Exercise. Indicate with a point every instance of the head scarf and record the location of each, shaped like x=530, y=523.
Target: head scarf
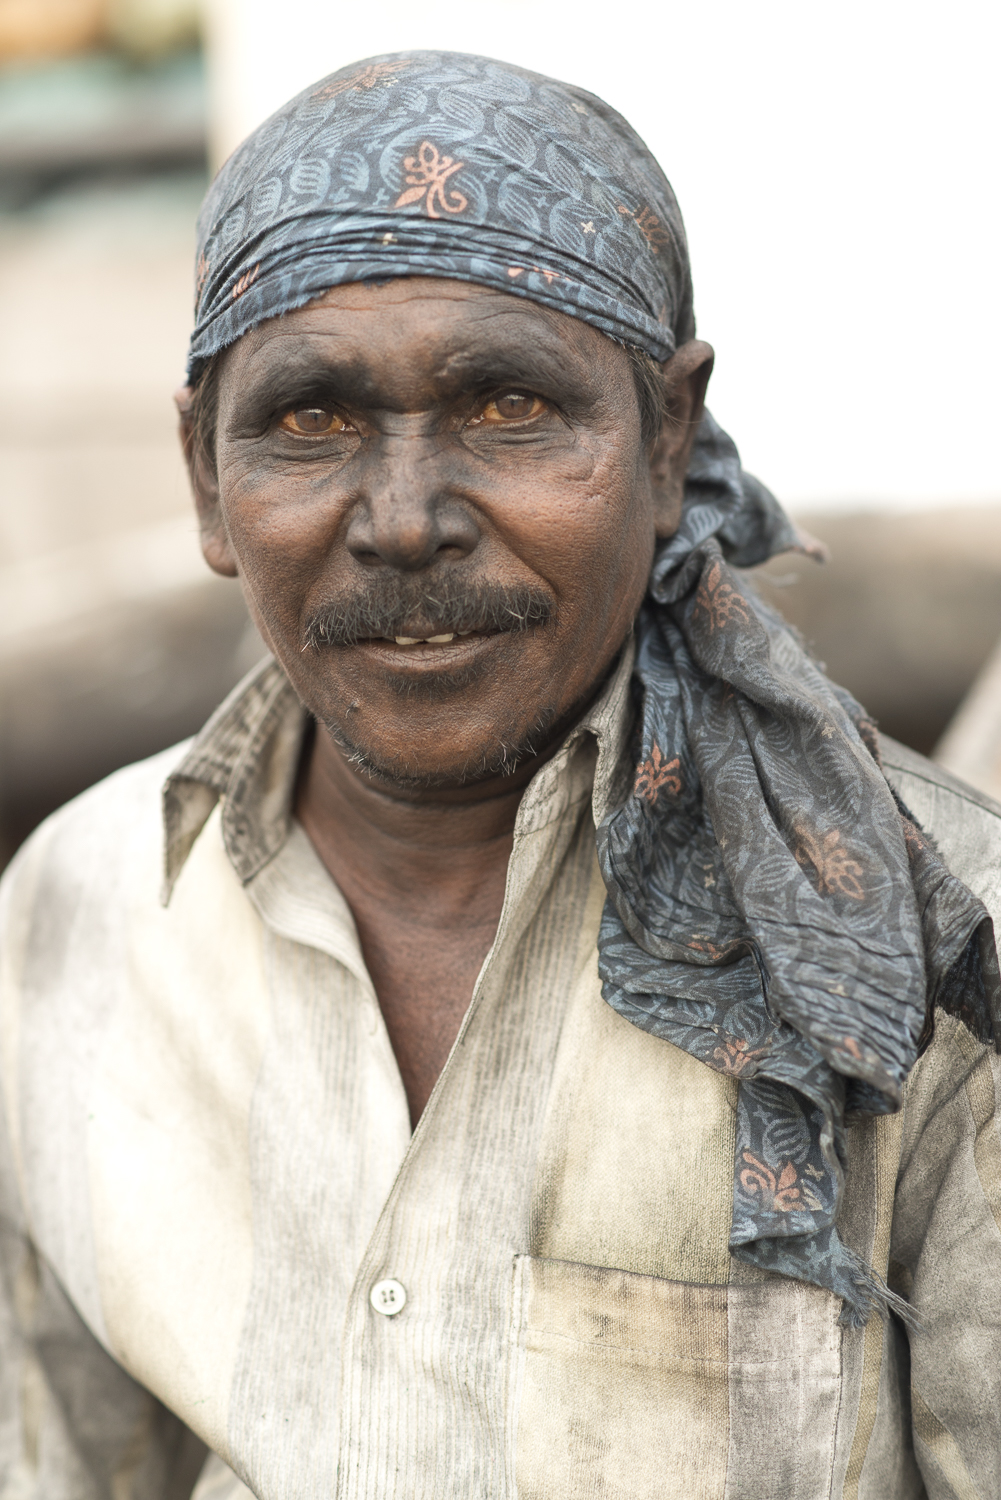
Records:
x=438, y=164
x=772, y=907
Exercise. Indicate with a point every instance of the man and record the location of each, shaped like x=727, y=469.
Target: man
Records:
x=561, y=1065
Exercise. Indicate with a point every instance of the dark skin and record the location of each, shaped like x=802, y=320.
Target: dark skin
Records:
x=421, y=430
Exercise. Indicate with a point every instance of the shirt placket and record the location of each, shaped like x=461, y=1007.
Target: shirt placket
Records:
x=436, y=1278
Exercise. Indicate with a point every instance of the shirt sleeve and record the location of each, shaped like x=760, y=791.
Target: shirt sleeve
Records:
x=73, y=1424
x=946, y=1257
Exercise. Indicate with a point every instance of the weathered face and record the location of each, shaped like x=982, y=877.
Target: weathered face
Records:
x=443, y=513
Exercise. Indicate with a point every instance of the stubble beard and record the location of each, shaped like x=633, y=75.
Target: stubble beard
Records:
x=501, y=759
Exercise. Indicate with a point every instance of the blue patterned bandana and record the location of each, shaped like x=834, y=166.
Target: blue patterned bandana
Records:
x=437, y=164
x=772, y=908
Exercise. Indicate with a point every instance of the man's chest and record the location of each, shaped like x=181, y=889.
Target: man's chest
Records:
x=424, y=974
x=558, y=1225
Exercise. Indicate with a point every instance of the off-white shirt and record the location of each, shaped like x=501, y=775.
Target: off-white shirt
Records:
x=208, y=1171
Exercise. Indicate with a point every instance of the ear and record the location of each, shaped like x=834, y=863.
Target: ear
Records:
x=217, y=549
x=685, y=377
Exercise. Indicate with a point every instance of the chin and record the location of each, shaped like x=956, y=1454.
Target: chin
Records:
x=451, y=765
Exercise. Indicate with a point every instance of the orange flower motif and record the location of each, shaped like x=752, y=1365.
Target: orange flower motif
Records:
x=655, y=772
x=870, y=738
x=551, y=276
x=428, y=172
x=781, y=1194
x=913, y=839
x=718, y=600
x=363, y=78
x=733, y=1057
x=835, y=869
x=703, y=945
x=246, y=280
x=648, y=224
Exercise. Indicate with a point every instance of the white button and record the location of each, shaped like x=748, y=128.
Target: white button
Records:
x=388, y=1297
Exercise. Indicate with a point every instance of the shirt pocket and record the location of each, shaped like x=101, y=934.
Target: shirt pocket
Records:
x=631, y=1387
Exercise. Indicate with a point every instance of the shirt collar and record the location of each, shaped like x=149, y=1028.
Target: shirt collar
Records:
x=248, y=755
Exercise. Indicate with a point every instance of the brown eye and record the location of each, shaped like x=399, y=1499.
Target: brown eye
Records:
x=311, y=420
x=512, y=406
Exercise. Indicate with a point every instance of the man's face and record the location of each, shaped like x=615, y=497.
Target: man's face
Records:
x=434, y=459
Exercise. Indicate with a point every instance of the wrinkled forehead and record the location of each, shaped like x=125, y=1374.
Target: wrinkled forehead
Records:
x=454, y=324
x=444, y=165
x=416, y=342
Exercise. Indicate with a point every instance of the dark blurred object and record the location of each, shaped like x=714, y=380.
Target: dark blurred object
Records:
x=108, y=652
x=115, y=640
x=99, y=113
x=971, y=746
x=905, y=613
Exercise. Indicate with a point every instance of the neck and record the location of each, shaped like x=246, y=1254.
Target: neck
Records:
x=424, y=874
x=443, y=848
x=429, y=851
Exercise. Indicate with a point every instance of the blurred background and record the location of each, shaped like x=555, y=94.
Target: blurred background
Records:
x=837, y=168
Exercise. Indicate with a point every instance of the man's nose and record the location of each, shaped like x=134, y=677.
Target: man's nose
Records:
x=409, y=507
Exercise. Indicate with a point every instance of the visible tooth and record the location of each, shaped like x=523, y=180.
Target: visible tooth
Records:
x=463, y=632
x=408, y=640
x=440, y=640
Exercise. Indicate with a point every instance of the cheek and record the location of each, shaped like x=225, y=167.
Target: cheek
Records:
x=590, y=534
x=282, y=532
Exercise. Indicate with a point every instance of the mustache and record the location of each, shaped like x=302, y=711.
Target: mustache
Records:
x=407, y=604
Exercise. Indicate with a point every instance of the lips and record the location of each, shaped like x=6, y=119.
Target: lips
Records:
x=426, y=640
x=444, y=651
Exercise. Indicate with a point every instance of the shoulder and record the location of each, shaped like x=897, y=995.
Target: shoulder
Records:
x=108, y=838
x=965, y=824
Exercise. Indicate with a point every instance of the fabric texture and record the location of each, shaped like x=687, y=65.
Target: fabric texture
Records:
x=442, y=164
x=206, y=1163
x=772, y=909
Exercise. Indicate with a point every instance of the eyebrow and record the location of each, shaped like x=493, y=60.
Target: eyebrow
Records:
x=310, y=376
x=283, y=388
x=537, y=364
